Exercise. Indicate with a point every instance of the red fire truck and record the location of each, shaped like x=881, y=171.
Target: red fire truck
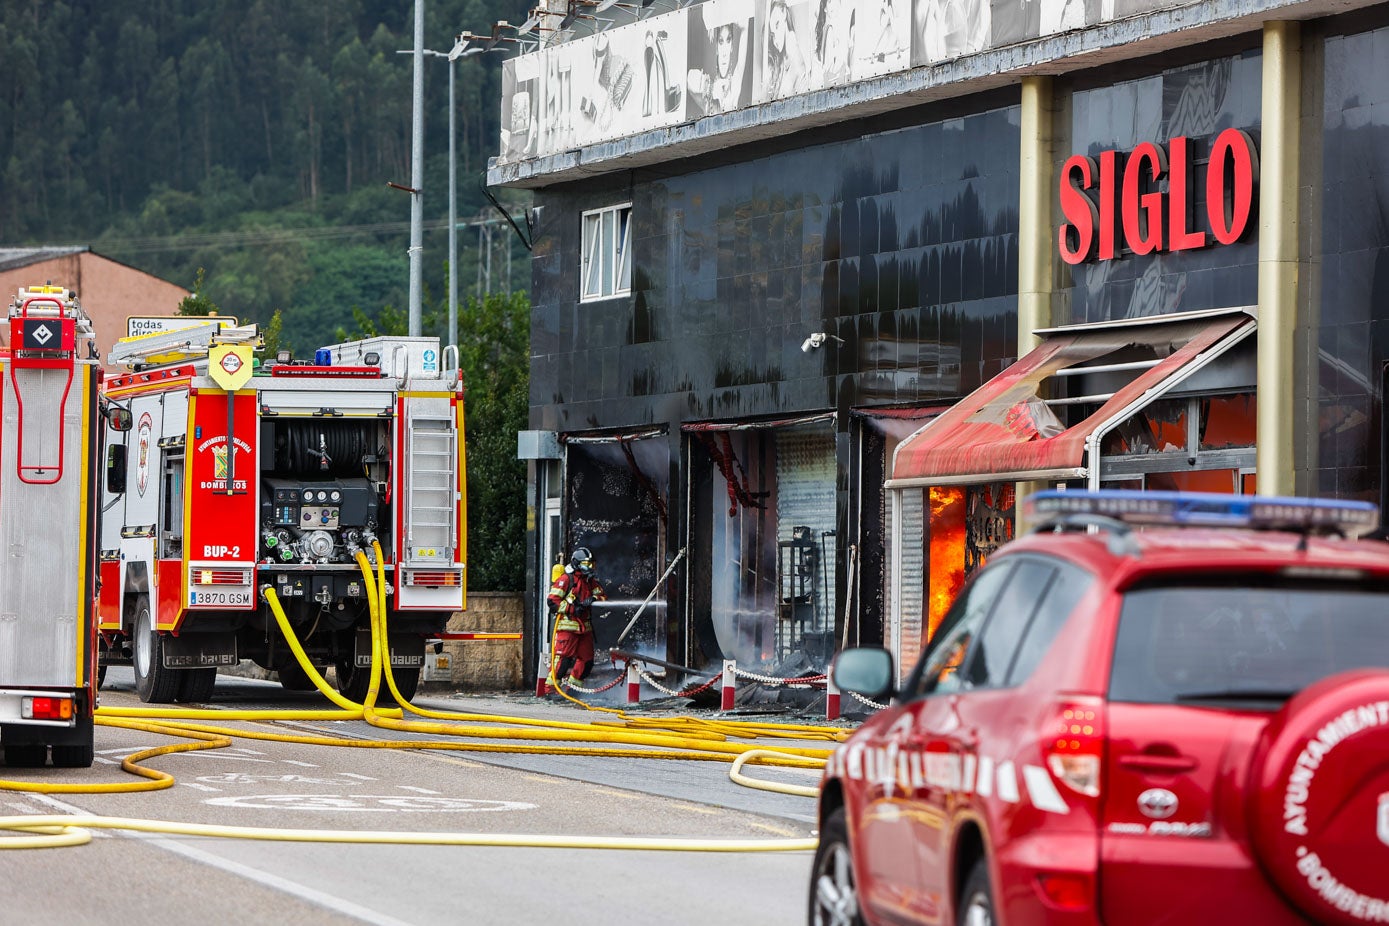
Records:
x=238, y=476
x=49, y=450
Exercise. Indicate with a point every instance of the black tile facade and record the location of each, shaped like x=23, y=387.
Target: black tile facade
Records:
x=1350, y=341
x=902, y=242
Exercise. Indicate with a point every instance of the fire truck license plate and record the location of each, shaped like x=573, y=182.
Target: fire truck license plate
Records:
x=222, y=597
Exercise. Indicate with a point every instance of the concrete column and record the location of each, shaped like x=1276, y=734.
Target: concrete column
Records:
x=1278, y=256
x=1036, y=232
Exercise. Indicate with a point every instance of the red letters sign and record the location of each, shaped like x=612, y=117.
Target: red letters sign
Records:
x=1105, y=198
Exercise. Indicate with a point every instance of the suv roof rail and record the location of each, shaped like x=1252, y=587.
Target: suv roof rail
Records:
x=1304, y=516
x=1119, y=537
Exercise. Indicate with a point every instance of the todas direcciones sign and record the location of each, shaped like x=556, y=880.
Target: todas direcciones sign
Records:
x=1116, y=201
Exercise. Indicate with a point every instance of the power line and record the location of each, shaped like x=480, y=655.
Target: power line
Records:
x=260, y=237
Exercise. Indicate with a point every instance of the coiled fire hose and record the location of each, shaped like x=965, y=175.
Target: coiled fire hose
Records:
x=686, y=739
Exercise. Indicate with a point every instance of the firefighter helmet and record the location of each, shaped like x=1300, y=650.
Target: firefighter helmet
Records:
x=582, y=561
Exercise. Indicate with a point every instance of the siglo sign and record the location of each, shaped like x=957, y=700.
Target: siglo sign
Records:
x=1116, y=201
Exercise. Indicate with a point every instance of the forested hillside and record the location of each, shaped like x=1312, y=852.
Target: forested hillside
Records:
x=252, y=138
x=250, y=142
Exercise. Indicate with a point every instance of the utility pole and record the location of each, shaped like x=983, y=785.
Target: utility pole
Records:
x=417, y=179
x=453, y=211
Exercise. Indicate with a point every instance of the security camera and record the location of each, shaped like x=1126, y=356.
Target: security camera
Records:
x=810, y=343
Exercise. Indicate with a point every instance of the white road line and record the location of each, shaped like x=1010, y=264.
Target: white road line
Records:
x=284, y=885
x=197, y=787
x=298, y=763
x=420, y=790
x=105, y=761
x=68, y=808
x=123, y=751
x=355, y=775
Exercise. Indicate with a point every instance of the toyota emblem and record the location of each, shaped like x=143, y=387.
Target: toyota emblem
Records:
x=1157, y=803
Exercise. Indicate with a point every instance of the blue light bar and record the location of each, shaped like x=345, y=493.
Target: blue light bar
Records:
x=1208, y=509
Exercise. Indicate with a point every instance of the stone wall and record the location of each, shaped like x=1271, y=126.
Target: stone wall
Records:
x=481, y=665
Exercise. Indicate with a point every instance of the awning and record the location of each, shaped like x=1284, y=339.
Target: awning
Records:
x=1008, y=428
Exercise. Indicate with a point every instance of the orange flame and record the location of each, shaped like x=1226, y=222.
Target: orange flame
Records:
x=946, y=557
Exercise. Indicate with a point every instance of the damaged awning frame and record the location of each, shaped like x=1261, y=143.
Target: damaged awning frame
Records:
x=1228, y=327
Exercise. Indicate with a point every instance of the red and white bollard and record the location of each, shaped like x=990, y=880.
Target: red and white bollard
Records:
x=633, y=683
x=542, y=684
x=728, y=684
x=831, y=699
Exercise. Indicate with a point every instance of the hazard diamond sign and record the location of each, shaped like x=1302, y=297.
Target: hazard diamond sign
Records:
x=229, y=365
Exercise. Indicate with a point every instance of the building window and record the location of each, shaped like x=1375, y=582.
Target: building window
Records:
x=607, y=267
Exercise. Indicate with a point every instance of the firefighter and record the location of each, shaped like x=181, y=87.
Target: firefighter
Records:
x=571, y=601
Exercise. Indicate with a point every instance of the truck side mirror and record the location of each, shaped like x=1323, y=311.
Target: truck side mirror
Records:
x=115, y=465
x=119, y=418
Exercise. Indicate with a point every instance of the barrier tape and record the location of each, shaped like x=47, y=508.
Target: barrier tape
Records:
x=612, y=684
x=772, y=680
x=862, y=699
x=684, y=692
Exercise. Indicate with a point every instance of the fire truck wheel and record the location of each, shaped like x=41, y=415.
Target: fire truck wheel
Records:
x=407, y=681
x=294, y=678
x=353, y=682
x=196, y=684
x=74, y=755
x=153, y=683
x=26, y=755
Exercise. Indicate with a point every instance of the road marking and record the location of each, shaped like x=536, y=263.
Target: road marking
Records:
x=242, y=778
x=105, y=761
x=419, y=790
x=197, y=787
x=369, y=803
x=298, y=763
x=355, y=775
x=122, y=751
x=68, y=808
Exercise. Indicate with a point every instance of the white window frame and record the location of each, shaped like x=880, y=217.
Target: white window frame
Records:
x=606, y=248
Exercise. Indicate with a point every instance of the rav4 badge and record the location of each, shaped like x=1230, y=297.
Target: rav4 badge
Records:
x=1159, y=804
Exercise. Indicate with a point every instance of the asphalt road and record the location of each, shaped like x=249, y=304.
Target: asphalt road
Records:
x=174, y=879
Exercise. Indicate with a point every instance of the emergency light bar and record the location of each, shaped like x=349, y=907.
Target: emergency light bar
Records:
x=1209, y=509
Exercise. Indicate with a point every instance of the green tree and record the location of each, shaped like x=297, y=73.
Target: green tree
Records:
x=494, y=357
x=195, y=303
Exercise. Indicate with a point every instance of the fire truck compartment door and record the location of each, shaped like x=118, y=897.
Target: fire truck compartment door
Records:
x=45, y=570
x=311, y=402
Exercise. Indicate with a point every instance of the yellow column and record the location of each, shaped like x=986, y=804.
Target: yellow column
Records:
x=1278, y=256
x=1036, y=233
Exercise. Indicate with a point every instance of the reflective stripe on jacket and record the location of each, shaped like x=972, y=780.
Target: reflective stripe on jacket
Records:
x=566, y=594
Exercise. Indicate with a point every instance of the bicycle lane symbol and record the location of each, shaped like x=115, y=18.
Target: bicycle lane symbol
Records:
x=368, y=803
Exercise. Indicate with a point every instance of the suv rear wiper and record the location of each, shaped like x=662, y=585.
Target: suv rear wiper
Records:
x=1230, y=694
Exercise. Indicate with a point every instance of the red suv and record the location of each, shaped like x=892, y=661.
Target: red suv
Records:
x=1185, y=723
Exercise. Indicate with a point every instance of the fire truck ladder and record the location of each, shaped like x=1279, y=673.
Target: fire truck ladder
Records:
x=432, y=494
x=180, y=345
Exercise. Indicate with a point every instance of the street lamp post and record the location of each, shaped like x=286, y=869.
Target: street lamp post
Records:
x=417, y=177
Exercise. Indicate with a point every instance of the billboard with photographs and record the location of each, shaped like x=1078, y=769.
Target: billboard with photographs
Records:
x=723, y=55
x=720, y=48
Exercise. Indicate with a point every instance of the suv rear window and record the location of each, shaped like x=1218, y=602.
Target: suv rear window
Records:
x=1195, y=642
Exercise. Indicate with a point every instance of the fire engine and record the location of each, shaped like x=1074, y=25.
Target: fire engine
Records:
x=239, y=476
x=49, y=454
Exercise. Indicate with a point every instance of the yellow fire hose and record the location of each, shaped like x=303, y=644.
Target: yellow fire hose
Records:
x=685, y=739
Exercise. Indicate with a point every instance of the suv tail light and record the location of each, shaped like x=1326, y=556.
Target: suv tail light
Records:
x=1074, y=745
